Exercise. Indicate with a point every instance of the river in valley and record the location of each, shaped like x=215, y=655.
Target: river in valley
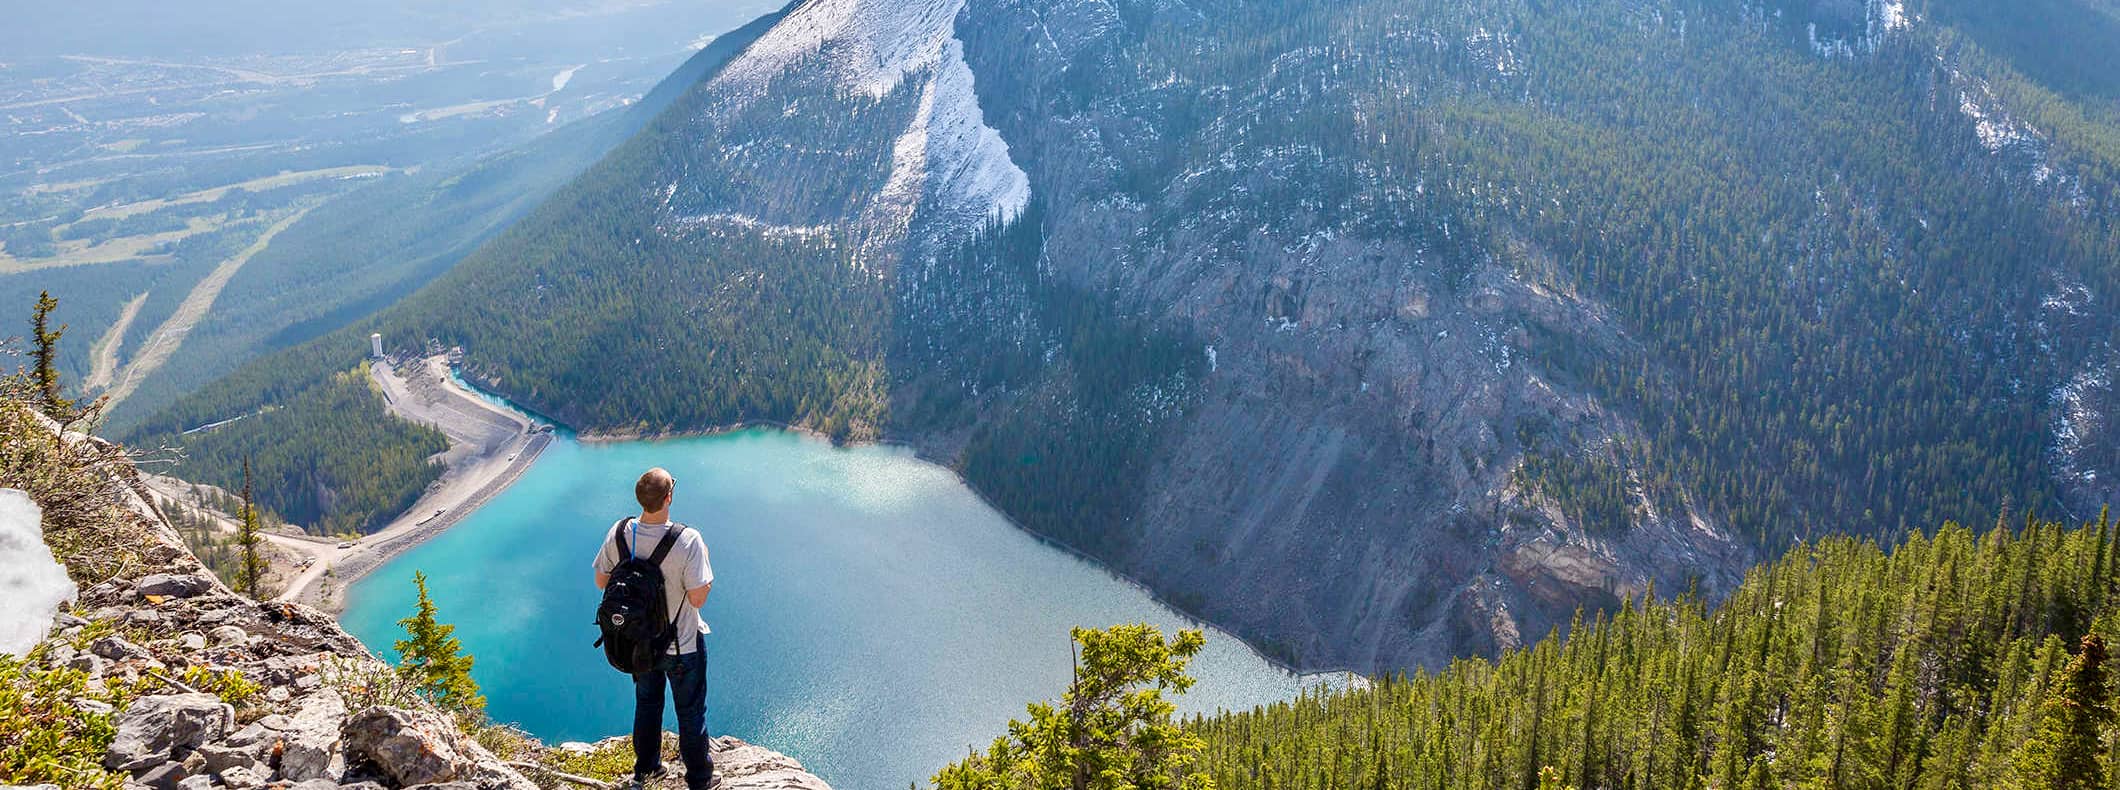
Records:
x=871, y=616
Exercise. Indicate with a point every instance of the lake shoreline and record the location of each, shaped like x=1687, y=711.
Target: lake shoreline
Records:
x=874, y=607
x=727, y=429
x=490, y=449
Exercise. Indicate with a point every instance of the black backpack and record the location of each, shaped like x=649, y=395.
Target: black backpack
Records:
x=634, y=617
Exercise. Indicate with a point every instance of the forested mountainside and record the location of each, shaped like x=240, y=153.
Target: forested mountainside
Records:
x=1957, y=661
x=1379, y=331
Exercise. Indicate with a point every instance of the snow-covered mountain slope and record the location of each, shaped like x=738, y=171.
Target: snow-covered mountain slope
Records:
x=947, y=157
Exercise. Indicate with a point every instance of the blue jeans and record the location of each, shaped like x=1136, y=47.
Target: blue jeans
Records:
x=687, y=678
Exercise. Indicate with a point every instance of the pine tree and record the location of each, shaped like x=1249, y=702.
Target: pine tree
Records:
x=2065, y=753
x=251, y=574
x=1112, y=730
x=45, y=376
x=434, y=659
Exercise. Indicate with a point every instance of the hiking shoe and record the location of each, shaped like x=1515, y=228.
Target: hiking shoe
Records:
x=651, y=778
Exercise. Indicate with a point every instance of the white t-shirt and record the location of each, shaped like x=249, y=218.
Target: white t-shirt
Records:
x=684, y=568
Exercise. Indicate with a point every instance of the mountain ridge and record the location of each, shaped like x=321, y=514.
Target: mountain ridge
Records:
x=1383, y=332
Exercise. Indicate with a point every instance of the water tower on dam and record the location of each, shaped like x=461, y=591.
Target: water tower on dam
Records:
x=375, y=344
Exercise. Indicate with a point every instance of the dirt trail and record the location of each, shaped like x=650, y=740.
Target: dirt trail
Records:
x=171, y=333
x=283, y=566
x=105, y=357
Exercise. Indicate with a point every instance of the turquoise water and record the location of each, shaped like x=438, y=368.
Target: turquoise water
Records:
x=871, y=616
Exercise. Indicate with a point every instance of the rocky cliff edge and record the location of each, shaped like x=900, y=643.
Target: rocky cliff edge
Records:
x=215, y=690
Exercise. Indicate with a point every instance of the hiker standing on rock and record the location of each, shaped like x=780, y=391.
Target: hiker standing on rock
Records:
x=651, y=628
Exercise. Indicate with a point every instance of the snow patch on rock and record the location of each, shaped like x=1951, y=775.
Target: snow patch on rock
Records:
x=970, y=161
x=1496, y=50
x=1881, y=19
x=876, y=44
x=2077, y=421
x=949, y=152
x=746, y=222
x=1992, y=121
x=31, y=582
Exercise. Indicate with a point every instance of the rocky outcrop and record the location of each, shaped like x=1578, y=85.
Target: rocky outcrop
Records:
x=739, y=764
x=736, y=764
x=156, y=730
x=239, y=694
x=271, y=705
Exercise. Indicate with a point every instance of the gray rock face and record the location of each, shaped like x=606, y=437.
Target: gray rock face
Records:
x=310, y=745
x=1330, y=470
x=155, y=729
x=174, y=585
x=410, y=747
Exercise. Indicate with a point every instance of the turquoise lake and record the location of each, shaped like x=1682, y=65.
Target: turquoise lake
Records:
x=871, y=616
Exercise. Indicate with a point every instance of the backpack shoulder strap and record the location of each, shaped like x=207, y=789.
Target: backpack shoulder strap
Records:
x=669, y=539
x=618, y=539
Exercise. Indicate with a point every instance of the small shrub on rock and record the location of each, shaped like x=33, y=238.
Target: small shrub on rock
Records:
x=46, y=737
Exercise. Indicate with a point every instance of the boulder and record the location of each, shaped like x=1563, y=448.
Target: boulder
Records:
x=409, y=747
x=196, y=782
x=153, y=729
x=229, y=635
x=241, y=778
x=165, y=776
x=222, y=756
x=310, y=744
x=118, y=648
x=174, y=585
x=192, y=641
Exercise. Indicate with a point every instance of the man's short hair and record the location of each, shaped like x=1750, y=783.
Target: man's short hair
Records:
x=654, y=488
